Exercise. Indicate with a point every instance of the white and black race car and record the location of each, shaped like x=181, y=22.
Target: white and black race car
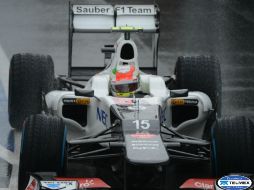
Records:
x=123, y=124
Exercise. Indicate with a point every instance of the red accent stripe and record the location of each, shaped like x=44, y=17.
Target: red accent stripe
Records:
x=197, y=183
x=32, y=185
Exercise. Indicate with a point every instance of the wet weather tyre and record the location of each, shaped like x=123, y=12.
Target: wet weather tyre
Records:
x=30, y=76
x=43, y=147
x=201, y=73
x=232, y=146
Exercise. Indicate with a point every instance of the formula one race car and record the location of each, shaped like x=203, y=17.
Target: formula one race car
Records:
x=123, y=125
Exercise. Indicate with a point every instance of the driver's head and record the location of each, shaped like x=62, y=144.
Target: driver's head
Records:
x=124, y=80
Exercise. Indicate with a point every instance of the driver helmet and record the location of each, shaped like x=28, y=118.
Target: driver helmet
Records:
x=124, y=80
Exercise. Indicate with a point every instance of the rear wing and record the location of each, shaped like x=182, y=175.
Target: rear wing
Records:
x=106, y=19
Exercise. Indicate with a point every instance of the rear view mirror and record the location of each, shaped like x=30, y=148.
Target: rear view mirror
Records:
x=179, y=93
x=86, y=93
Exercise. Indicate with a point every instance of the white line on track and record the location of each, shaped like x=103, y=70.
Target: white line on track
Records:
x=14, y=178
x=9, y=156
x=12, y=158
x=14, y=175
x=4, y=70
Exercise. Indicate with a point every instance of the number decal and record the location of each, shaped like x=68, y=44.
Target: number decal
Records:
x=142, y=124
x=145, y=124
x=137, y=124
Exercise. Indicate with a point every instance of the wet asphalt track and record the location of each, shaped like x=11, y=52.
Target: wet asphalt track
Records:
x=223, y=28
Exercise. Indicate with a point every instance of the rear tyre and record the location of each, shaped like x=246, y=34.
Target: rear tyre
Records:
x=43, y=147
x=201, y=73
x=232, y=146
x=30, y=76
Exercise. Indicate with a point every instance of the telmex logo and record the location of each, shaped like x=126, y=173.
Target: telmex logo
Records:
x=234, y=182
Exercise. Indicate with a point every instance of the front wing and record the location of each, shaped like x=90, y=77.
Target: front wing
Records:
x=36, y=182
x=214, y=184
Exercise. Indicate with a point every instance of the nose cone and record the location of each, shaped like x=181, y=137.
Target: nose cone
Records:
x=145, y=149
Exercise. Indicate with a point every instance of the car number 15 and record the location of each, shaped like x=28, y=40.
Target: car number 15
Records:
x=142, y=124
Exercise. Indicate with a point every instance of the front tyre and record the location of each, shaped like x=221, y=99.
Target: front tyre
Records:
x=43, y=147
x=201, y=73
x=30, y=77
x=232, y=146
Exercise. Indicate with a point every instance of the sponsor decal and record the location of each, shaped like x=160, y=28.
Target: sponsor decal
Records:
x=83, y=101
x=207, y=184
x=102, y=116
x=144, y=144
x=54, y=185
x=143, y=135
x=135, y=9
x=234, y=182
x=136, y=107
x=76, y=101
x=32, y=184
x=181, y=102
x=85, y=183
x=109, y=10
x=126, y=28
x=177, y=102
x=93, y=9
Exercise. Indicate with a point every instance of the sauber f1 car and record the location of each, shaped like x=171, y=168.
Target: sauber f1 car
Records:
x=122, y=125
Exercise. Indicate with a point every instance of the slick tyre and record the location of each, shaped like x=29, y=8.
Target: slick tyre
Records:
x=232, y=146
x=201, y=73
x=30, y=77
x=43, y=147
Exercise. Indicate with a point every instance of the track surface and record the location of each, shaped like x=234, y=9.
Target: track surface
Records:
x=188, y=27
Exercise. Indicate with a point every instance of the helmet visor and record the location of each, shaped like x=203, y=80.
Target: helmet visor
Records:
x=125, y=87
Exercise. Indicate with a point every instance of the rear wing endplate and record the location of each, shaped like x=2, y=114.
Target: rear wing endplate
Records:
x=106, y=19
